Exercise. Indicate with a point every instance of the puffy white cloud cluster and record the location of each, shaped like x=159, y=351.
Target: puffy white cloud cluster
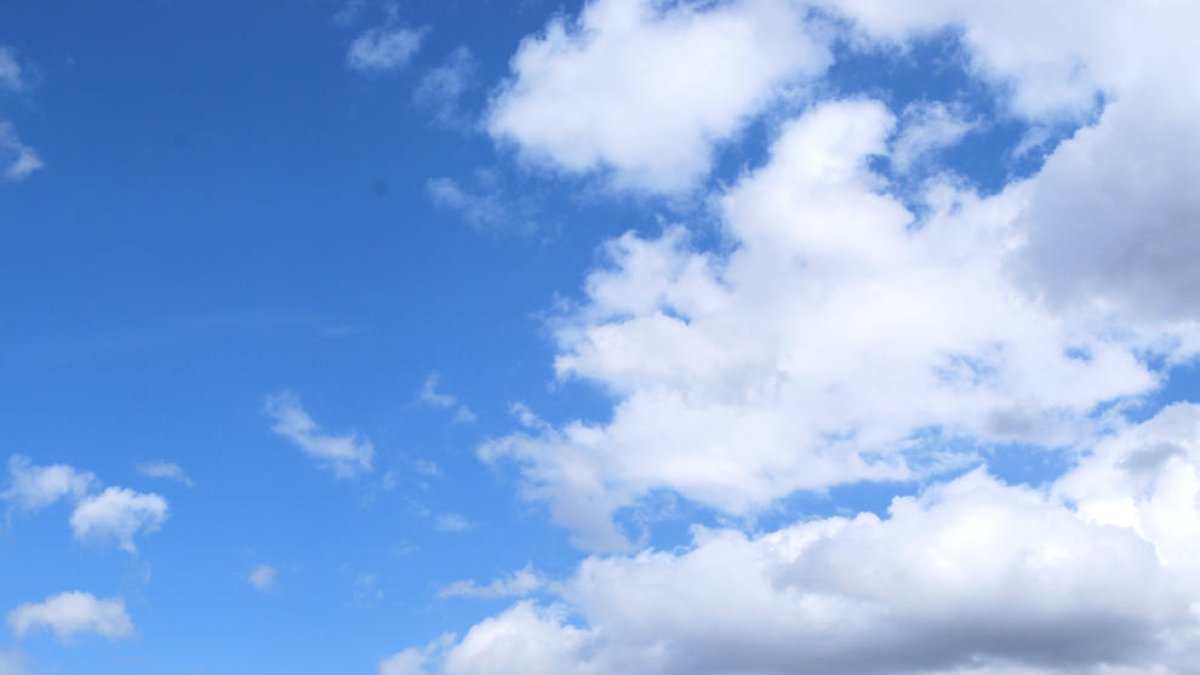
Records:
x=114, y=515
x=645, y=89
x=836, y=336
x=1095, y=573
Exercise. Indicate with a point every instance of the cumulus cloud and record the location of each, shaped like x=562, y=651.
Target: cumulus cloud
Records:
x=33, y=487
x=346, y=455
x=70, y=614
x=645, y=89
x=116, y=515
x=263, y=577
x=384, y=49
x=816, y=353
x=1095, y=573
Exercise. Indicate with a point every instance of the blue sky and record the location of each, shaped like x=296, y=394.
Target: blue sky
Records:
x=485, y=338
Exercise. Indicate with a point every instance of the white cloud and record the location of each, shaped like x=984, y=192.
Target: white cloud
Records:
x=33, y=487
x=384, y=49
x=441, y=90
x=165, y=470
x=1096, y=573
x=430, y=396
x=117, y=515
x=816, y=353
x=520, y=583
x=925, y=129
x=645, y=89
x=70, y=614
x=263, y=577
x=346, y=455
x=17, y=160
x=11, y=73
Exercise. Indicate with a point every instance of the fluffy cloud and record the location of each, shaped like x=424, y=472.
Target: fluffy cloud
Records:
x=384, y=49
x=116, y=515
x=1095, y=573
x=823, y=350
x=70, y=614
x=346, y=455
x=34, y=487
x=646, y=88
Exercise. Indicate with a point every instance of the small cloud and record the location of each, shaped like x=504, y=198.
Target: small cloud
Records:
x=441, y=89
x=430, y=396
x=366, y=590
x=346, y=455
x=927, y=128
x=11, y=73
x=116, y=515
x=427, y=468
x=70, y=614
x=32, y=487
x=17, y=160
x=489, y=208
x=166, y=471
x=518, y=584
x=384, y=49
x=451, y=522
x=263, y=577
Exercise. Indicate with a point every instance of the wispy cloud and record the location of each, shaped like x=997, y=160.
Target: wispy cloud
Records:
x=346, y=455
x=384, y=49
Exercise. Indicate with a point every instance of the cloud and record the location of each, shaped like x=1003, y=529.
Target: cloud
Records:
x=165, y=470
x=32, y=488
x=384, y=49
x=346, y=455
x=263, y=577
x=441, y=90
x=1096, y=573
x=520, y=583
x=17, y=160
x=644, y=90
x=430, y=396
x=488, y=208
x=927, y=128
x=70, y=614
x=834, y=343
x=11, y=73
x=451, y=522
x=116, y=515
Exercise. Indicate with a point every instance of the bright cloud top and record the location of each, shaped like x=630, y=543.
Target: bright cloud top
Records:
x=71, y=614
x=645, y=89
x=33, y=487
x=346, y=455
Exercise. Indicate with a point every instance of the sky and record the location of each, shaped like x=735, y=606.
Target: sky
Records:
x=637, y=337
